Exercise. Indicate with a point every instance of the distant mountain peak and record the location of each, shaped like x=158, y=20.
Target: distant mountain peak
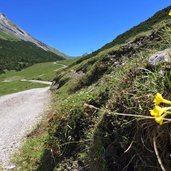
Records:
x=11, y=28
x=2, y=16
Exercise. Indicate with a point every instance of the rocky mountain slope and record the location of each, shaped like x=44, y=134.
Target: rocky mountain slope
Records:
x=8, y=27
x=101, y=119
x=19, y=49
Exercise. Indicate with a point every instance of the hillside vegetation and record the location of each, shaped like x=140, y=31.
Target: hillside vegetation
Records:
x=17, y=86
x=16, y=55
x=99, y=120
x=18, y=49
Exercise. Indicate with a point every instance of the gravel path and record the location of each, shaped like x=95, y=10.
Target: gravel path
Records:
x=63, y=66
x=19, y=113
x=38, y=81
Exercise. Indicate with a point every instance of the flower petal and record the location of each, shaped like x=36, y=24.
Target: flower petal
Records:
x=159, y=99
x=160, y=119
x=170, y=13
x=157, y=111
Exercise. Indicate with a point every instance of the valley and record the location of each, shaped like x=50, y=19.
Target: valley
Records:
x=106, y=111
x=15, y=81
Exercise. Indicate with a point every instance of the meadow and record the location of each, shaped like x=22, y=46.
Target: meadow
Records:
x=11, y=81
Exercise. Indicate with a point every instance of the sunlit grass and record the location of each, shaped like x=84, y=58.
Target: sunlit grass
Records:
x=10, y=82
x=42, y=71
x=16, y=86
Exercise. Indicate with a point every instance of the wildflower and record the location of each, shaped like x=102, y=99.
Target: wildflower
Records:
x=170, y=12
x=159, y=113
x=160, y=119
x=159, y=99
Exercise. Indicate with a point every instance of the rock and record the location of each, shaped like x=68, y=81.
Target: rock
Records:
x=76, y=74
x=160, y=57
x=10, y=167
x=54, y=86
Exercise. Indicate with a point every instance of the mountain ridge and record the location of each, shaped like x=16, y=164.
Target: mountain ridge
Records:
x=11, y=28
x=142, y=26
x=19, y=49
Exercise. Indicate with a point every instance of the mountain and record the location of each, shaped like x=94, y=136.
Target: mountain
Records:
x=10, y=28
x=20, y=49
x=101, y=117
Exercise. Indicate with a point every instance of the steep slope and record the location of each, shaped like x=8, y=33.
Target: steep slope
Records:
x=100, y=119
x=142, y=27
x=19, y=49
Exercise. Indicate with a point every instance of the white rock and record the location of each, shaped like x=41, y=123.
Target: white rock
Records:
x=10, y=167
x=160, y=57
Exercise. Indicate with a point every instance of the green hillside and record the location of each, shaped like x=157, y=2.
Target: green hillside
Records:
x=100, y=116
x=6, y=36
x=17, y=86
x=18, y=49
x=15, y=55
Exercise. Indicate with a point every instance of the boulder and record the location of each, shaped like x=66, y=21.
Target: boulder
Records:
x=160, y=57
x=54, y=86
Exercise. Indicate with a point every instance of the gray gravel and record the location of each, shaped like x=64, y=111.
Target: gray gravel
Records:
x=19, y=113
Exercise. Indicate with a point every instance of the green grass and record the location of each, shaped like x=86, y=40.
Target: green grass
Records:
x=73, y=123
x=35, y=144
x=40, y=71
x=16, y=86
x=6, y=36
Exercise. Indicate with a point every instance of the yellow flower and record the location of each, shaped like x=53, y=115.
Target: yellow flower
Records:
x=170, y=12
x=159, y=99
x=159, y=113
x=160, y=119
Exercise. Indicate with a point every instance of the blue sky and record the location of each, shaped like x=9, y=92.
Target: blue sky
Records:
x=78, y=26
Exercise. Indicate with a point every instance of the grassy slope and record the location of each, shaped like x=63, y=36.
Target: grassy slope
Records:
x=20, y=54
x=6, y=36
x=96, y=138
x=17, y=86
x=42, y=71
x=145, y=26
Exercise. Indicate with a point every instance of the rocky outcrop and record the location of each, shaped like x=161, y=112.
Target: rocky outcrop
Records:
x=136, y=45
